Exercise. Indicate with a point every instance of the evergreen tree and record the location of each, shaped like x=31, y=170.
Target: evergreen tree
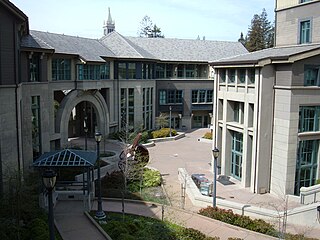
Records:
x=260, y=33
x=148, y=29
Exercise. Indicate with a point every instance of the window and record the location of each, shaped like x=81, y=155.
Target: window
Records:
x=169, y=70
x=160, y=69
x=122, y=71
x=132, y=70
x=238, y=115
x=236, y=155
x=311, y=75
x=202, y=96
x=242, y=75
x=231, y=75
x=306, y=167
x=309, y=118
x=127, y=108
x=93, y=72
x=147, y=107
x=34, y=68
x=170, y=97
x=222, y=75
x=190, y=71
x=303, y=1
x=251, y=75
x=61, y=69
x=305, y=31
x=180, y=70
x=36, y=131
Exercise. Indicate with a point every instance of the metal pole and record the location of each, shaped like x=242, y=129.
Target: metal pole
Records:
x=170, y=121
x=85, y=141
x=99, y=214
x=50, y=216
x=214, y=194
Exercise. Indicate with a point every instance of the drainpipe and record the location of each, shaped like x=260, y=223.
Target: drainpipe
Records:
x=256, y=135
x=17, y=79
x=272, y=128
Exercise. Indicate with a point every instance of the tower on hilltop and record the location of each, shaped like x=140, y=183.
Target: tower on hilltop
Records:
x=109, y=25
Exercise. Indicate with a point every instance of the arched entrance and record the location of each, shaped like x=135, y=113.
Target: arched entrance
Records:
x=73, y=104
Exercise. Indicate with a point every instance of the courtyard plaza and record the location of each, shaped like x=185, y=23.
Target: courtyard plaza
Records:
x=195, y=156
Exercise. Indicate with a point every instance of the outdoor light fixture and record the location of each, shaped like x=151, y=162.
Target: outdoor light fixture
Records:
x=100, y=215
x=215, y=153
x=49, y=181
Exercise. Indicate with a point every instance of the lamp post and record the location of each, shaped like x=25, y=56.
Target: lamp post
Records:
x=85, y=128
x=100, y=215
x=49, y=181
x=215, y=153
x=170, y=120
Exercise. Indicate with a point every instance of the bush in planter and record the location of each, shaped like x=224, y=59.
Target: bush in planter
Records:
x=228, y=216
x=207, y=135
x=163, y=132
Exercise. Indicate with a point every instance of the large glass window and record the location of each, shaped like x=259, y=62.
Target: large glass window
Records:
x=305, y=31
x=93, y=72
x=127, y=108
x=306, y=168
x=311, y=75
x=242, y=75
x=34, y=68
x=222, y=75
x=238, y=112
x=180, y=70
x=202, y=96
x=147, y=107
x=160, y=70
x=169, y=70
x=190, y=71
x=170, y=97
x=236, y=155
x=251, y=75
x=131, y=70
x=61, y=69
x=122, y=71
x=36, y=130
x=231, y=75
x=309, y=118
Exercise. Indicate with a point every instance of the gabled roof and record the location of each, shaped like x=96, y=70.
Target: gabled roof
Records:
x=170, y=49
x=286, y=53
x=66, y=158
x=88, y=49
x=122, y=47
x=188, y=50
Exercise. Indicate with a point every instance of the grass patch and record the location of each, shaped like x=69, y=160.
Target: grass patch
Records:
x=128, y=226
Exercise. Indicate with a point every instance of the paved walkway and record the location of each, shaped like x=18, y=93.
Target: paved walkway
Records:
x=188, y=153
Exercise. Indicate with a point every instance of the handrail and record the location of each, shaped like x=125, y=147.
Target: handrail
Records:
x=307, y=191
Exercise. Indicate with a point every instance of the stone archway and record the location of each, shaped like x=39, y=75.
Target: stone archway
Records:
x=70, y=101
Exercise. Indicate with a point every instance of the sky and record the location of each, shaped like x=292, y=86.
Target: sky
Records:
x=184, y=19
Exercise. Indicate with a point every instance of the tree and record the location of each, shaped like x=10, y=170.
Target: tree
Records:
x=260, y=33
x=148, y=29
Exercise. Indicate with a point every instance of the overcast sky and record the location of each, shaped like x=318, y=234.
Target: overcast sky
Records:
x=214, y=19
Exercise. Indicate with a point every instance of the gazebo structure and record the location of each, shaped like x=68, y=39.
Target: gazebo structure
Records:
x=82, y=187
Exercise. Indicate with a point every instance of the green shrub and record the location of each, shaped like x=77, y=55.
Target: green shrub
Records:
x=151, y=178
x=145, y=136
x=228, y=216
x=163, y=132
x=318, y=181
x=207, y=135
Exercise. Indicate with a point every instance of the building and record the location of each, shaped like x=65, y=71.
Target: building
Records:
x=267, y=106
x=52, y=86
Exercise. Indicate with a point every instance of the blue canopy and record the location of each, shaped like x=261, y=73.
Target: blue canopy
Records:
x=67, y=158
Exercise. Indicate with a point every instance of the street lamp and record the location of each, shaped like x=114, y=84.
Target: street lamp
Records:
x=85, y=128
x=215, y=153
x=49, y=181
x=100, y=215
x=170, y=120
